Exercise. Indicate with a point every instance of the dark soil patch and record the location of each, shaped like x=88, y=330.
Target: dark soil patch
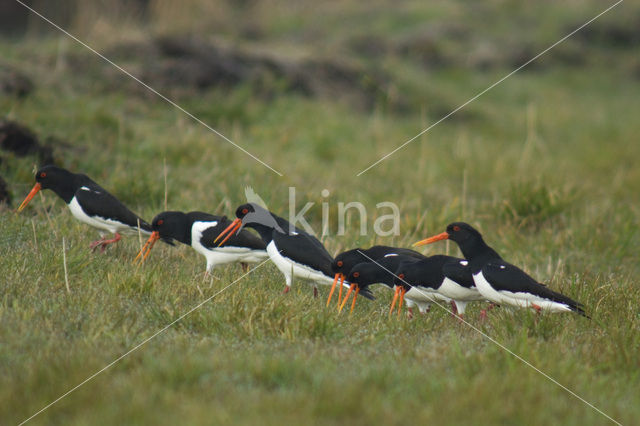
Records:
x=620, y=33
x=5, y=195
x=183, y=63
x=21, y=141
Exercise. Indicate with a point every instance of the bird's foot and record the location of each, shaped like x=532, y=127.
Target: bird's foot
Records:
x=287, y=289
x=94, y=245
x=483, y=314
x=410, y=313
x=538, y=310
x=102, y=243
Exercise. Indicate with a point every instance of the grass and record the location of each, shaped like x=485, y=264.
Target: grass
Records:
x=544, y=165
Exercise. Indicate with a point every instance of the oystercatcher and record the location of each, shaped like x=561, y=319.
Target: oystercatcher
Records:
x=440, y=275
x=89, y=203
x=499, y=281
x=421, y=292
x=344, y=261
x=295, y=252
x=378, y=271
x=199, y=230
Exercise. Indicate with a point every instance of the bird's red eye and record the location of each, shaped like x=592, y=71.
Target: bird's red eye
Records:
x=401, y=276
x=160, y=222
x=43, y=174
x=356, y=274
x=456, y=228
x=340, y=263
x=245, y=211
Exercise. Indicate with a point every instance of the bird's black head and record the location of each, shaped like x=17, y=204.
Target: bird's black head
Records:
x=461, y=232
x=404, y=276
x=366, y=273
x=344, y=261
x=61, y=181
x=252, y=214
x=426, y=272
x=244, y=210
x=172, y=226
x=52, y=177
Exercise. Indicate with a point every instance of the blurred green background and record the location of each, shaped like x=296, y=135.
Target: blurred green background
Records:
x=545, y=165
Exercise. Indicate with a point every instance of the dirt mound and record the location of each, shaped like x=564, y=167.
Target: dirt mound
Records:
x=21, y=141
x=5, y=195
x=620, y=33
x=186, y=63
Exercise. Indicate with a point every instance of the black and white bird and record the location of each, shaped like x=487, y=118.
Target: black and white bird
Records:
x=295, y=252
x=378, y=271
x=345, y=261
x=438, y=278
x=499, y=281
x=89, y=203
x=199, y=230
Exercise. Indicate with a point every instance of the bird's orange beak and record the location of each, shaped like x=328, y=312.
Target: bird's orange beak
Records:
x=229, y=231
x=146, y=249
x=433, y=239
x=333, y=288
x=355, y=296
x=402, y=292
x=344, y=301
x=37, y=187
x=396, y=293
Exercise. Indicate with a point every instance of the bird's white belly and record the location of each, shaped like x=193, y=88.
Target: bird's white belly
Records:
x=96, y=221
x=486, y=290
x=223, y=255
x=453, y=290
x=518, y=299
x=292, y=269
x=528, y=300
x=423, y=295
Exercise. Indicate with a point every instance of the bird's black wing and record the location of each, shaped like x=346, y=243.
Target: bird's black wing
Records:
x=506, y=277
x=305, y=249
x=242, y=239
x=458, y=270
x=96, y=201
x=377, y=252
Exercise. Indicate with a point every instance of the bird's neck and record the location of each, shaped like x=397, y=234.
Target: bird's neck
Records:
x=265, y=232
x=284, y=224
x=66, y=189
x=478, y=253
x=384, y=277
x=184, y=236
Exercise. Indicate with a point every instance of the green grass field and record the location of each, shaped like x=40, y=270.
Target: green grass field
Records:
x=545, y=165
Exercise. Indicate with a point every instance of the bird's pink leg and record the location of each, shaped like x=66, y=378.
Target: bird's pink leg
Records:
x=95, y=244
x=104, y=243
x=483, y=313
x=315, y=292
x=454, y=309
x=410, y=313
x=286, y=289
